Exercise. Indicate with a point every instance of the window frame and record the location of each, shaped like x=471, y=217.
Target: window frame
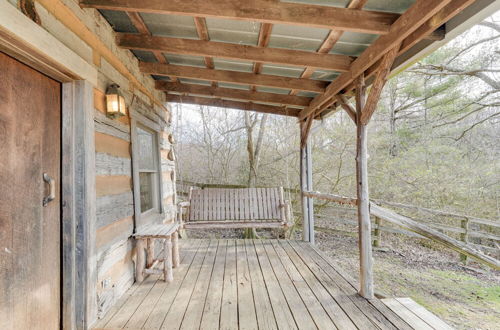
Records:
x=154, y=214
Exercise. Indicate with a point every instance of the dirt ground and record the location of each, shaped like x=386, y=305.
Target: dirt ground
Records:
x=465, y=297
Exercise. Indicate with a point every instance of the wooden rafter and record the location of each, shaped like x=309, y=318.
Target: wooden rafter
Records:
x=330, y=41
x=231, y=93
x=209, y=49
x=248, y=106
x=142, y=28
x=408, y=23
x=202, y=31
x=264, y=11
x=236, y=77
x=264, y=37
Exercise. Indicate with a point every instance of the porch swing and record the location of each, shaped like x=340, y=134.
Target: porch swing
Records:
x=232, y=208
x=210, y=208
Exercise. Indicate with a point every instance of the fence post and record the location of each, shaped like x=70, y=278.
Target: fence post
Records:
x=377, y=232
x=464, y=237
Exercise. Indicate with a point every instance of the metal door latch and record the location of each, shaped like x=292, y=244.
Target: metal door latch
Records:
x=52, y=189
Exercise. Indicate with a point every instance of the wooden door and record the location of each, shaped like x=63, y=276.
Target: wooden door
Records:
x=30, y=139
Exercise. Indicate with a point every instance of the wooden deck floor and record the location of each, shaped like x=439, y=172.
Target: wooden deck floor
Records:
x=260, y=284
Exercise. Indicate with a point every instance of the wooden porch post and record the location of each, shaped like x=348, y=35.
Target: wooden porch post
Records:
x=306, y=185
x=364, y=225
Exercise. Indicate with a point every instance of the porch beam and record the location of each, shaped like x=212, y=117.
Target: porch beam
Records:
x=418, y=15
x=364, y=224
x=246, y=106
x=263, y=11
x=306, y=185
x=246, y=95
x=364, y=110
x=226, y=50
x=246, y=78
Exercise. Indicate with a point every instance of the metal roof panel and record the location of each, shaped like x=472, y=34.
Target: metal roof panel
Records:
x=297, y=37
x=190, y=60
x=232, y=65
x=233, y=31
x=118, y=20
x=175, y=26
x=280, y=70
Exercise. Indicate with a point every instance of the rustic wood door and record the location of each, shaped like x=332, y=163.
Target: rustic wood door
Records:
x=30, y=145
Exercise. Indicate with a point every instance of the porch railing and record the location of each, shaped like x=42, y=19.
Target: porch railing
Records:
x=433, y=232
x=478, y=233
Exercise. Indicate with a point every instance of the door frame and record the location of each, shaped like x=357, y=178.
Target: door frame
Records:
x=32, y=45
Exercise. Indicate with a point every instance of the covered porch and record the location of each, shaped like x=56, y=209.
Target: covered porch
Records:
x=259, y=284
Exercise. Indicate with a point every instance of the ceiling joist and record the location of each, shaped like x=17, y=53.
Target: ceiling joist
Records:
x=424, y=19
x=236, y=77
x=246, y=95
x=263, y=11
x=340, y=63
x=233, y=105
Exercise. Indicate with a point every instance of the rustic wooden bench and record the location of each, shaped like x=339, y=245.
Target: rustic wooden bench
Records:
x=146, y=264
x=235, y=208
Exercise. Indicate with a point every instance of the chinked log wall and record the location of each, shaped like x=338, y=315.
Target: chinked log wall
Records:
x=115, y=205
x=86, y=33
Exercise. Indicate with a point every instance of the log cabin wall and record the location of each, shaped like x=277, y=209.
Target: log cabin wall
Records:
x=90, y=36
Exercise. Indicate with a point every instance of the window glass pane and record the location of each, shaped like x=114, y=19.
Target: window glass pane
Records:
x=146, y=149
x=146, y=188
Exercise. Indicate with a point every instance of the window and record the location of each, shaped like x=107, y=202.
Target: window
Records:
x=146, y=170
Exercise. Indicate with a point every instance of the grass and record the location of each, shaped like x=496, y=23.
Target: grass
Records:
x=461, y=299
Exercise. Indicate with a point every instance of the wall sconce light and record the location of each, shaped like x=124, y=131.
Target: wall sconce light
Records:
x=115, y=102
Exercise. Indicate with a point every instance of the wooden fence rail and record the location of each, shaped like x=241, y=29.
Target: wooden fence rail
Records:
x=409, y=224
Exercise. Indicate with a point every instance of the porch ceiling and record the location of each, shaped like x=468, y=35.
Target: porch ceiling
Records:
x=289, y=57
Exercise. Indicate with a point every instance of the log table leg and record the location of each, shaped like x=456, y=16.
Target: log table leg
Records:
x=167, y=261
x=150, y=256
x=175, y=249
x=139, y=265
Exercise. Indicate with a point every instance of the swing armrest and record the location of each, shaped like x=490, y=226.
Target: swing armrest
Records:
x=180, y=211
x=286, y=209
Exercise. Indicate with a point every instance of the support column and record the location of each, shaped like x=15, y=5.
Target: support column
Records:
x=364, y=224
x=306, y=185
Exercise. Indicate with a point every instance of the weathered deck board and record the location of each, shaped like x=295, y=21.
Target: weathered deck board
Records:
x=259, y=284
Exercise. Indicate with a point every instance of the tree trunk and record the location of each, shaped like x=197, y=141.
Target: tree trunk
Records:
x=254, y=156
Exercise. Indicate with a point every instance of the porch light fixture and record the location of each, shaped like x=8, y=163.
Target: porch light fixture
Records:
x=115, y=102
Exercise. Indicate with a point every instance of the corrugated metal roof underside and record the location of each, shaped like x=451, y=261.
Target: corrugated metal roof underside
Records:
x=247, y=33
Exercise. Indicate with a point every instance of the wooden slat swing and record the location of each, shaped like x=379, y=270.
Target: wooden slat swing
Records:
x=235, y=208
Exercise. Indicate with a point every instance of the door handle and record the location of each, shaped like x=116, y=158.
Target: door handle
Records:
x=52, y=189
